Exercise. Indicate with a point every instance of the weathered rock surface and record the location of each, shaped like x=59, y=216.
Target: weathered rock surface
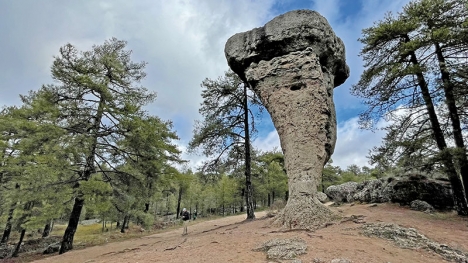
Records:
x=287, y=33
x=52, y=248
x=343, y=192
x=401, y=190
x=322, y=197
x=410, y=238
x=293, y=64
x=283, y=249
x=419, y=205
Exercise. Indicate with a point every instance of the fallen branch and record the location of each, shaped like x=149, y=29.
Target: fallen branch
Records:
x=291, y=230
x=173, y=248
x=311, y=235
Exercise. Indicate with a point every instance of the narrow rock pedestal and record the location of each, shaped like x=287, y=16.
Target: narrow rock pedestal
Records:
x=293, y=64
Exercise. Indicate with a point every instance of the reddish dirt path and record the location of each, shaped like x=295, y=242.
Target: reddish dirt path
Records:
x=231, y=239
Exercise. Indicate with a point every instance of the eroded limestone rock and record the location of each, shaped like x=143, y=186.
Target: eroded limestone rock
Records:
x=293, y=64
x=410, y=238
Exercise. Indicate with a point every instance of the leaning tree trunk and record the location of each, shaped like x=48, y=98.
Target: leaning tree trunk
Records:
x=67, y=240
x=447, y=158
x=460, y=153
x=248, y=159
x=122, y=230
x=47, y=229
x=179, y=200
x=18, y=246
x=7, y=231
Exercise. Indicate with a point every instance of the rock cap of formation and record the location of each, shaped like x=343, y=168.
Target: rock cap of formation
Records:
x=290, y=32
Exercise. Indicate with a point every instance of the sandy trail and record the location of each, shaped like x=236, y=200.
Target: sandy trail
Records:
x=232, y=239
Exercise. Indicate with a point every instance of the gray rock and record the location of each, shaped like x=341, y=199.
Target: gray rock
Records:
x=410, y=238
x=322, y=197
x=52, y=248
x=287, y=33
x=283, y=249
x=401, y=190
x=342, y=193
x=419, y=205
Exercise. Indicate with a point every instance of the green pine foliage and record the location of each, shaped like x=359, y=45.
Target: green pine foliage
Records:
x=84, y=140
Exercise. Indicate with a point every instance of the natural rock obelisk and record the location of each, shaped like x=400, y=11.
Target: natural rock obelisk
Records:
x=293, y=63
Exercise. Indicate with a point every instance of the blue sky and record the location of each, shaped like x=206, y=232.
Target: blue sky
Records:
x=183, y=43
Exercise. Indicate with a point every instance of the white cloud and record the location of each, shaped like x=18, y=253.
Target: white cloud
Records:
x=183, y=42
x=268, y=143
x=353, y=144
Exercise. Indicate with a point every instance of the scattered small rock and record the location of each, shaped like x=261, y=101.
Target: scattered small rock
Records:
x=372, y=205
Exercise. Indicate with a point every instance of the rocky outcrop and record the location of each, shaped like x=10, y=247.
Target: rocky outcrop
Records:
x=403, y=190
x=322, y=197
x=423, y=206
x=342, y=193
x=410, y=238
x=283, y=249
x=293, y=64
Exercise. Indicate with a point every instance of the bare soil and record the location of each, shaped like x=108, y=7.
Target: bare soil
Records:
x=232, y=239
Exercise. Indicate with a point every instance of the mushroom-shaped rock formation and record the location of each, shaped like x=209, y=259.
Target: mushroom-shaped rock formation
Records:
x=293, y=63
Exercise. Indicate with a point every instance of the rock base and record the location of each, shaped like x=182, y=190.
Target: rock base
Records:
x=307, y=213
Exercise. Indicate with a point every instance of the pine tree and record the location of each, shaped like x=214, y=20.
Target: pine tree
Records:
x=400, y=55
x=225, y=133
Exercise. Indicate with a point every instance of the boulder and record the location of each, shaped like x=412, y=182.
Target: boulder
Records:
x=419, y=205
x=283, y=249
x=402, y=190
x=342, y=193
x=322, y=197
x=52, y=248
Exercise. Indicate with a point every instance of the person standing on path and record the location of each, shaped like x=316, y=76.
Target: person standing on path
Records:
x=185, y=217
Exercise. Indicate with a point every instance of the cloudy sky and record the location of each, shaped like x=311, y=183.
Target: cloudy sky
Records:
x=183, y=43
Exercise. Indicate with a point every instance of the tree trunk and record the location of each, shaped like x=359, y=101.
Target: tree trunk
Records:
x=67, y=240
x=460, y=153
x=179, y=199
x=47, y=230
x=147, y=205
x=7, y=231
x=268, y=203
x=248, y=173
x=89, y=169
x=458, y=193
x=128, y=222
x=122, y=229
x=18, y=246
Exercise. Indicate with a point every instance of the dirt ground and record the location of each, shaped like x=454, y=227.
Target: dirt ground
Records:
x=232, y=239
